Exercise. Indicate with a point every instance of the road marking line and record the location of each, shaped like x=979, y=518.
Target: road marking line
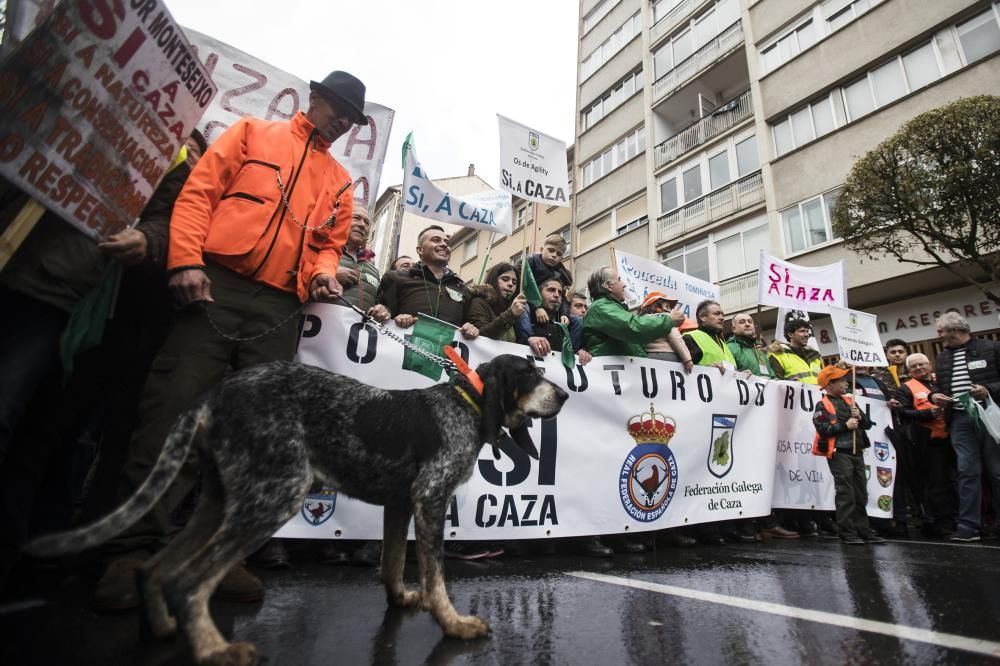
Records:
x=953, y=641
x=953, y=544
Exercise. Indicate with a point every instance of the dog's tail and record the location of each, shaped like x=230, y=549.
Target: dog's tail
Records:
x=175, y=451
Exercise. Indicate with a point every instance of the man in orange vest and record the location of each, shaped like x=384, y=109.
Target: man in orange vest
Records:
x=841, y=437
x=933, y=456
x=257, y=230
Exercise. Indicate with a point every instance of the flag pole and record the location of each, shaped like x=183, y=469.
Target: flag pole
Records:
x=486, y=260
x=854, y=400
x=611, y=250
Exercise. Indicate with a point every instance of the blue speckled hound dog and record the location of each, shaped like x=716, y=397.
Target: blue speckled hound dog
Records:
x=267, y=435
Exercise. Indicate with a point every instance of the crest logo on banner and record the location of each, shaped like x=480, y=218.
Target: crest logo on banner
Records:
x=884, y=476
x=533, y=140
x=720, y=451
x=648, y=476
x=318, y=507
x=881, y=451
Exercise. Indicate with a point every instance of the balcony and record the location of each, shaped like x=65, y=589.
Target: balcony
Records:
x=738, y=293
x=671, y=20
x=712, y=207
x=699, y=60
x=728, y=115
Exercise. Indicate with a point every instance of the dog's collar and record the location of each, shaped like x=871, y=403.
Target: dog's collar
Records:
x=463, y=368
x=468, y=398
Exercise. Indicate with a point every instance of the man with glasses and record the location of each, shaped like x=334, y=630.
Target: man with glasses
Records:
x=968, y=372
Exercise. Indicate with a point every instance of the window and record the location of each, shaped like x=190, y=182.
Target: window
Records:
x=612, y=158
x=979, y=36
x=807, y=224
x=615, y=43
x=740, y=253
x=789, y=45
x=668, y=195
x=567, y=235
x=682, y=46
x=629, y=226
x=891, y=80
x=595, y=15
x=718, y=169
x=692, y=183
x=842, y=17
x=803, y=126
x=470, y=247
x=664, y=7
x=663, y=61
x=824, y=19
x=691, y=259
x=746, y=156
x=612, y=99
x=522, y=213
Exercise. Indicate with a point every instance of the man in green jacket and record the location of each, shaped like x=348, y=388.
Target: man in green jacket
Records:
x=356, y=272
x=743, y=345
x=609, y=329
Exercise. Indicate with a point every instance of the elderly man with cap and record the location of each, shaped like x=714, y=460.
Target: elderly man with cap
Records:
x=841, y=438
x=257, y=230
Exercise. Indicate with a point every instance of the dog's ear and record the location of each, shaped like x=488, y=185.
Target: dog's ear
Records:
x=522, y=438
x=492, y=417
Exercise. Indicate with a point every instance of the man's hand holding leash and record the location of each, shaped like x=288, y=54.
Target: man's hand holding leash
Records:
x=324, y=288
x=189, y=286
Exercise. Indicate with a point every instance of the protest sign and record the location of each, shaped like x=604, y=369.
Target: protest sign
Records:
x=251, y=87
x=484, y=210
x=639, y=445
x=532, y=164
x=784, y=316
x=810, y=288
x=857, y=337
x=94, y=105
x=642, y=276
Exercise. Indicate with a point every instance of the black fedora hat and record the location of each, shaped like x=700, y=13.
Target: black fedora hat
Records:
x=345, y=88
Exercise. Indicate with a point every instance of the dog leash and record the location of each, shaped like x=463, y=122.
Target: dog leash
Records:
x=253, y=338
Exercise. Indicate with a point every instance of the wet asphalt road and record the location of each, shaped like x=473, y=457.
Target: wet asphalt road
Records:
x=760, y=610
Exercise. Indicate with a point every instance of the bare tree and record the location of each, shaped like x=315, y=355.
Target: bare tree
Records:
x=930, y=194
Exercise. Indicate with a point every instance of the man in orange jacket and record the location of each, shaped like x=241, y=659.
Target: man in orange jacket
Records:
x=257, y=230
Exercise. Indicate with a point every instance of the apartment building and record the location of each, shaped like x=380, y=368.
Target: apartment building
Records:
x=708, y=130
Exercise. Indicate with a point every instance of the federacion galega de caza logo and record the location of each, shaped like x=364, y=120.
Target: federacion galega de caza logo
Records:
x=648, y=476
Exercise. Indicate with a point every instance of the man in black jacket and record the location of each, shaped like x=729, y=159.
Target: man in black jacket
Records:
x=970, y=366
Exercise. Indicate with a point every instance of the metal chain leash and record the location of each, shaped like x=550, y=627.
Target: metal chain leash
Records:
x=416, y=349
x=253, y=338
x=288, y=207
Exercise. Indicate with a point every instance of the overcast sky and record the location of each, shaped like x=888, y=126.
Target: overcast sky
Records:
x=447, y=67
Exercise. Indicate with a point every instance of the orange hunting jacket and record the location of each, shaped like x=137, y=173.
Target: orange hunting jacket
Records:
x=231, y=212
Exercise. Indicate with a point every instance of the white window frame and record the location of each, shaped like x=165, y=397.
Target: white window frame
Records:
x=621, y=229
x=740, y=231
x=567, y=235
x=812, y=123
x=689, y=248
x=898, y=58
x=831, y=237
x=474, y=242
x=520, y=216
x=701, y=161
x=688, y=27
x=636, y=136
x=616, y=42
x=595, y=15
x=604, y=102
x=958, y=39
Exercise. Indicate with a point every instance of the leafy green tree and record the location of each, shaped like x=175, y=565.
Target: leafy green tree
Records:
x=930, y=194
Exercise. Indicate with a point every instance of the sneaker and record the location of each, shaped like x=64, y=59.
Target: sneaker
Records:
x=778, y=532
x=871, y=537
x=240, y=585
x=852, y=540
x=116, y=590
x=964, y=534
x=465, y=550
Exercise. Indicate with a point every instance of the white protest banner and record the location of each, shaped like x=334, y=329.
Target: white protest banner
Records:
x=95, y=105
x=857, y=337
x=642, y=276
x=810, y=288
x=639, y=445
x=484, y=210
x=532, y=164
x=251, y=87
x=803, y=480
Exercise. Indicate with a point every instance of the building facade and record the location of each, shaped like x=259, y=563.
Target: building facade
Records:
x=708, y=130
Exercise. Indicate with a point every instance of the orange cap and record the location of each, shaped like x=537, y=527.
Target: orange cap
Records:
x=829, y=374
x=688, y=324
x=653, y=297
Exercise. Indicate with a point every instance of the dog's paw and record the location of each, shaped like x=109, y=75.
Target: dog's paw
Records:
x=235, y=654
x=406, y=599
x=467, y=627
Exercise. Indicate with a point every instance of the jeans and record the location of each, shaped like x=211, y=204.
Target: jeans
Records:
x=974, y=448
x=850, y=493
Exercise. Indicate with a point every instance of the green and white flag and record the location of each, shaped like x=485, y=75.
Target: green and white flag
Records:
x=483, y=210
x=431, y=335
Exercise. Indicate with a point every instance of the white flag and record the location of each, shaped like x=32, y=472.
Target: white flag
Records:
x=810, y=288
x=642, y=276
x=857, y=337
x=484, y=210
x=532, y=164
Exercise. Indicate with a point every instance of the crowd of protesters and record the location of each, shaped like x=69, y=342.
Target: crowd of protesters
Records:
x=238, y=274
